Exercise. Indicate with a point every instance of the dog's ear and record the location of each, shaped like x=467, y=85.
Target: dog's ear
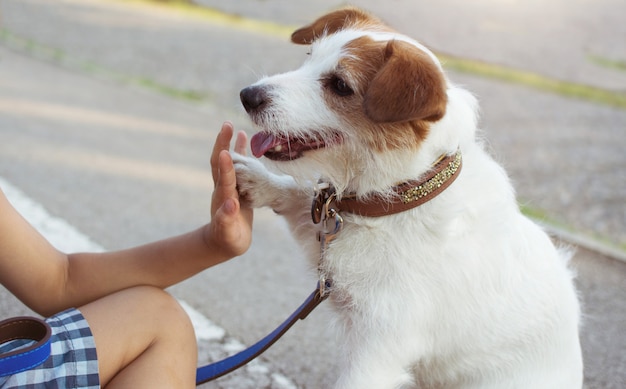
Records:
x=409, y=86
x=331, y=23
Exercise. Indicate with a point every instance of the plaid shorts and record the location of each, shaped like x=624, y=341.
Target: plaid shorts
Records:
x=72, y=363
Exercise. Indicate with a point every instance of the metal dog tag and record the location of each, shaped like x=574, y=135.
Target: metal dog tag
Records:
x=333, y=224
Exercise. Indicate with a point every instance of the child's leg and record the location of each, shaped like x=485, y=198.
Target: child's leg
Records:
x=144, y=339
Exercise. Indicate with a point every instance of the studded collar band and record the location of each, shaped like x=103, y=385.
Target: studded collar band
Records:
x=409, y=194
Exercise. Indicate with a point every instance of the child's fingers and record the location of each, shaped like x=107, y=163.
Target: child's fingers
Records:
x=222, y=142
x=241, y=143
x=227, y=180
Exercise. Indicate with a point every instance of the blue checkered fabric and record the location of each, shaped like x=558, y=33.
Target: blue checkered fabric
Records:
x=72, y=363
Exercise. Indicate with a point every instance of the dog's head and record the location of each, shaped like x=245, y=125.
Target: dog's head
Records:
x=365, y=96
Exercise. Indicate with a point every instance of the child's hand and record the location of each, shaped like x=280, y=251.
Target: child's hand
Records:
x=230, y=229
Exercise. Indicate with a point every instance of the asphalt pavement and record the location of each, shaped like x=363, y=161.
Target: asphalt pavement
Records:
x=108, y=111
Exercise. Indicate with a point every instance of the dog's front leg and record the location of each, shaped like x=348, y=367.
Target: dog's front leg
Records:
x=261, y=188
x=378, y=352
x=374, y=371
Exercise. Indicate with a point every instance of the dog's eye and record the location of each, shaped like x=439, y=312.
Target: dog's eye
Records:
x=339, y=86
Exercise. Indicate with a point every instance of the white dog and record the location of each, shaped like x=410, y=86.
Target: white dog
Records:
x=436, y=277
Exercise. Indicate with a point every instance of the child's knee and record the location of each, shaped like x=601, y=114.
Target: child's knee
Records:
x=174, y=326
x=164, y=312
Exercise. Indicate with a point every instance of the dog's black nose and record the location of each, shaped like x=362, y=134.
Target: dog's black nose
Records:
x=253, y=98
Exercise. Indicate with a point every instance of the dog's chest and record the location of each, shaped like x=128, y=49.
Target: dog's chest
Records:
x=365, y=257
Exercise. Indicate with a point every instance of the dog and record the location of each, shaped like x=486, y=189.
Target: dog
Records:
x=435, y=277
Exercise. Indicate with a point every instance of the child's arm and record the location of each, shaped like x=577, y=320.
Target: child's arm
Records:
x=48, y=281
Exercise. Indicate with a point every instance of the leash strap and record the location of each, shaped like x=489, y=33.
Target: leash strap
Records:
x=225, y=366
x=25, y=358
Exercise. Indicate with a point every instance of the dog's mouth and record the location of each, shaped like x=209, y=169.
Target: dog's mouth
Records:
x=283, y=148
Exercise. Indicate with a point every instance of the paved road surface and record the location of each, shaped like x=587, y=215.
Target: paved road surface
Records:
x=125, y=164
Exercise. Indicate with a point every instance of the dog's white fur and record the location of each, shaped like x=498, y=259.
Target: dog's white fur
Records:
x=461, y=292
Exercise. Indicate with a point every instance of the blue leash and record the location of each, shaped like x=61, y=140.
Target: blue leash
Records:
x=225, y=366
x=321, y=210
x=26, y=358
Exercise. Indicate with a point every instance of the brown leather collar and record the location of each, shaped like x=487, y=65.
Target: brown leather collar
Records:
x=410, y=194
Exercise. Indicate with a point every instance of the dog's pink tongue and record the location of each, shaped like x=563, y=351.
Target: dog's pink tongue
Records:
x=261, y=142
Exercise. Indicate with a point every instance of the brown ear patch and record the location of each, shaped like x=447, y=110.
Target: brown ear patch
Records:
x=409, y=86
x=331, y=23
